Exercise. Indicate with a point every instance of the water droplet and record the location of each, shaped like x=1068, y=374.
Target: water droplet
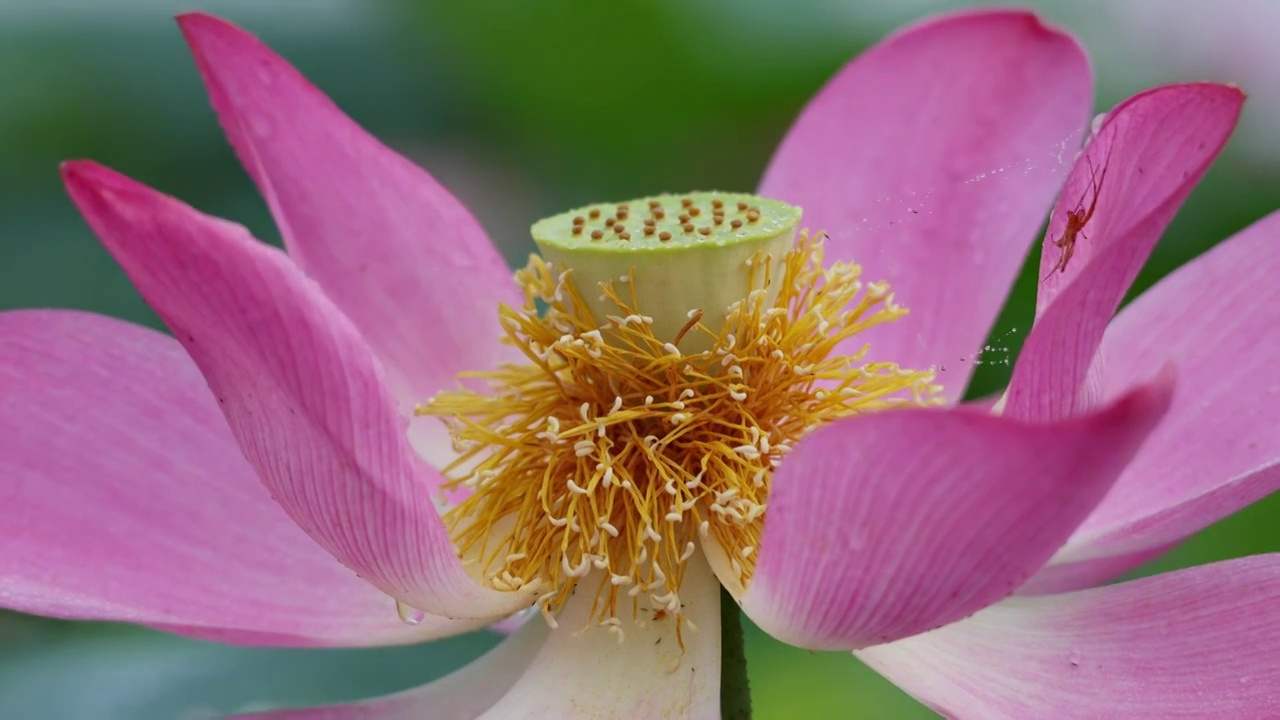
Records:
x=1075, y=658
x=1244, y=679
x=410, y=615
x=1096, y=125
x=260, y=126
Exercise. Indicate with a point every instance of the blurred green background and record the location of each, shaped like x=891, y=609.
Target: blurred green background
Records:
x=512, y=105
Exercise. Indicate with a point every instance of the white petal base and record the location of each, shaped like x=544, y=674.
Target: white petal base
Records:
x=583, y=671
x=461, y=695
x=578, y=670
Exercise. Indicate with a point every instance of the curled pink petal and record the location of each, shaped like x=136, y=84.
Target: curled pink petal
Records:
x=1218, y=449
x=303, y=394
x=393, y=249
x=1197, y=643
x=887, y=525
x=125, y=498
x=1147, y=156
x=930, y=160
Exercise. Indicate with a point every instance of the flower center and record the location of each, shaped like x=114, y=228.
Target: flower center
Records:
x=671, y=365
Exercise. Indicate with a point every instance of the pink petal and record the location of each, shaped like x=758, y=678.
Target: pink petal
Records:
x=1218, y=450
x=1153, y=148
x=1197, y=643
x=462, y=695
x=930, y=160
x=125, y=498
x=883, y=526
x=393, y=249
x=304, y=396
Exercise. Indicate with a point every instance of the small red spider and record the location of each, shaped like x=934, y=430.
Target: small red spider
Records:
x=1076, y=220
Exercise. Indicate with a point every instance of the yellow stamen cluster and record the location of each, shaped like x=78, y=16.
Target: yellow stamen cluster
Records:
x=612, y=453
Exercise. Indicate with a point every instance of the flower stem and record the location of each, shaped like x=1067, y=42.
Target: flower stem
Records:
x=735, y=690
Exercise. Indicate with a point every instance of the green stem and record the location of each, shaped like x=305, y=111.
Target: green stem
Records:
x=735, y=690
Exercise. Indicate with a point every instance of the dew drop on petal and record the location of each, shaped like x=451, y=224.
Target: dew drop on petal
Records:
x=261, y=127
x=410, y=615
x=1075, y=658
x=1096, y=125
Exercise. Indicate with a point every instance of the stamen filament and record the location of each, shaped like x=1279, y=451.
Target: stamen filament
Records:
x=612, y=449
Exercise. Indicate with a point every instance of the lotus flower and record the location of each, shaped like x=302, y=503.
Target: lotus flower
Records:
x=265, y=477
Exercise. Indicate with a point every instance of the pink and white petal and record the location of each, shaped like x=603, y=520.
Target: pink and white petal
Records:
x=883, y=526
x=1148, y=155
x=304, y=396
x=462, y=695
x=583, y=671
x=125, y=498
x=1059, y=576
x=930, y=160
x=509, y=624
x=1218, y=450
x=390, y=246
x=1197, y=643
